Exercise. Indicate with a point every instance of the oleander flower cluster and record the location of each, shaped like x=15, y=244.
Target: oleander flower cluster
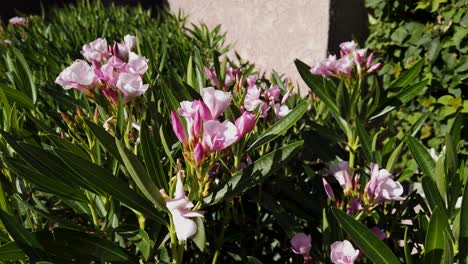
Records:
x=114, y=69
x=204, y=133
x=351, y=60
x=380, y=188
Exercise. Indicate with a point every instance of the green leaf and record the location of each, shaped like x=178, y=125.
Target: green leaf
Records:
x=141, y=240
x=463, y=239
x=67, y=245
x=432, y=194
x=151, y=157
x=15, y=96
x=450, y=157
x=440, y=177
x=107, y=140
x=24, y=75
x=408, y=257
x=371, y=246
x=120, y=124
x=407, y=77
x=43, y=182
x=11, y=251
x=138, y=173
x=422, y=157
x=253, y=260
x=23, y=238
x=365, y=139
x=281, y=126
x=317, y=86
x=434, y=243
x=103, y=181
x=254, y=173
x=200, y=237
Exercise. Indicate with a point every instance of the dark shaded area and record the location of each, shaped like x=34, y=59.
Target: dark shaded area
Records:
x=27, y=7
x=348, y=21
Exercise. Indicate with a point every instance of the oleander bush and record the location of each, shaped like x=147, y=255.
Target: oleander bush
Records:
x=129, y=136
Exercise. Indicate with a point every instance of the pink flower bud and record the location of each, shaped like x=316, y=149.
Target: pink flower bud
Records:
x=375, y=68
x=211, y=76
x=301, y=244
x=354, y=206
x=328, y=189
x=379, y=233
x=245, y=123
x=198, y=153
x=343, y=252
x=341, y=173
x=369, y=61
x=178, y=128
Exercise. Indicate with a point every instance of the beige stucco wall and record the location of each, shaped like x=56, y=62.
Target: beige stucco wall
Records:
x=270, y=33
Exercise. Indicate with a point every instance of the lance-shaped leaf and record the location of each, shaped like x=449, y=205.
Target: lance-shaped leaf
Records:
x=422, y=156
x=23, y=238
x=365, y=139
x=10, y=251
x=152, y=158
x=103, y=181
x=463, y=239
x=66, y=246
x=281, y=126
x=43, y=182
x=318, y=85
x=106, y=139
x=254, y=173
x=140, y=176
x=408, y=76
x=434, y=243
x=368, y=242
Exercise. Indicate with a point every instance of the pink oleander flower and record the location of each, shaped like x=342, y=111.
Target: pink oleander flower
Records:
x=130, y=42
x=359, y=56
x=19, y=21
x=341, y=173
x=131, y=86
x=328, y=189
x=343, y=252
x=96, y=50
x=252, y=101
x=245, y=123
x=347, y=47
x=325, y=67
x=281, y=110
x=345, y=65
x=301, y=244
x=178, y=128
x=251, y=81
x=381, y=186
x=136, y=64
x=108, y=74
x=78, y=76
x=194, y=113
x=179, y=207
x=218, y=136
x=211, y=74
x=217, y=101
x=273, y=93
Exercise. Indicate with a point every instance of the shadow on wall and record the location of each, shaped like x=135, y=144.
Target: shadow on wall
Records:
x=348, y=21
x=13, y=8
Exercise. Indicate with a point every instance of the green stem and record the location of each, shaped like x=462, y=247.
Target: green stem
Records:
x=92, y=207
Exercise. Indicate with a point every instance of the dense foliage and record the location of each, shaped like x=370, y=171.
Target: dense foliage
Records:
x=127, y=136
